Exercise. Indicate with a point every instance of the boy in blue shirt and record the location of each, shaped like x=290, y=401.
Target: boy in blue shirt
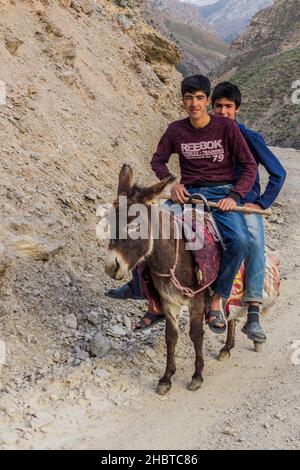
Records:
x=226, y=101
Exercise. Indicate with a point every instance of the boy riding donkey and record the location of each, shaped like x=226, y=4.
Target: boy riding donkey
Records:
x=209, y=149
x=226, y=102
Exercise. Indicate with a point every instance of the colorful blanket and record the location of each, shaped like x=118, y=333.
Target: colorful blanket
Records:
x=236, y=307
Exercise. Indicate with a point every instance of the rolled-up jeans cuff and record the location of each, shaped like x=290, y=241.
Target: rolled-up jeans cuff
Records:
x=216, y=291
x=253, y=299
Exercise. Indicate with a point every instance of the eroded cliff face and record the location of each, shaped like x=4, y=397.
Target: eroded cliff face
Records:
x=89, y=86
x=265, y=62
x=202, y=49
x=275, y=27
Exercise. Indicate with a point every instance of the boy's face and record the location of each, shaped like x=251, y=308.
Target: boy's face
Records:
x=195, y=104
x=225, y=107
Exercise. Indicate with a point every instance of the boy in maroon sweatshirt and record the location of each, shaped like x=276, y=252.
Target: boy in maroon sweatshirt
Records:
x=209, y=149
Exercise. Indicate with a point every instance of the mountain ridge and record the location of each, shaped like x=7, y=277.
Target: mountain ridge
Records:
x=265, y=62
x=230, y=17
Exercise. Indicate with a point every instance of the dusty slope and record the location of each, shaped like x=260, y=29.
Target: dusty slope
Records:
x=89, y=87
x=251, y=401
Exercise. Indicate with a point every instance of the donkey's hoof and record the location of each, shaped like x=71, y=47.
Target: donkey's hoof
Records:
x=258, y=347
x=224, y=355
x=195, y=384
x=163, y=388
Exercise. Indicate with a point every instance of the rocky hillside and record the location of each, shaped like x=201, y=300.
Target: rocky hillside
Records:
x=89, y=86
x=230, y=17
x=265, y=62
x=202, y=49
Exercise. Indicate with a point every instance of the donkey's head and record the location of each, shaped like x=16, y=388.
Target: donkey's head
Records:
x=130, y=224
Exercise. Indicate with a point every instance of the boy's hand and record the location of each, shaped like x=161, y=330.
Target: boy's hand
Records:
x=227, y=204
x=253, y=206
x=179, y=193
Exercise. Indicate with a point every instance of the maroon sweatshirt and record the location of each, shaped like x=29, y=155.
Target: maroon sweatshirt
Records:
x=207, y=155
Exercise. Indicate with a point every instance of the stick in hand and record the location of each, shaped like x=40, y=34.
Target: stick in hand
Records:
x=245, y=210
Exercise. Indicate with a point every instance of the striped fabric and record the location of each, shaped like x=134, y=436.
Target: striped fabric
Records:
x=235, y=305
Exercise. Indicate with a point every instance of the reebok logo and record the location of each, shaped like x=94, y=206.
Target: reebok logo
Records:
x=210, y=149
x=209, y=145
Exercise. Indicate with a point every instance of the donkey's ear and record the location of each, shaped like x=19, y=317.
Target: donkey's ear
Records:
x=152, y=194
x=125, y=180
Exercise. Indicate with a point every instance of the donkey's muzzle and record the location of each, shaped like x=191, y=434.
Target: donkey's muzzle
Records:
x=115, y=267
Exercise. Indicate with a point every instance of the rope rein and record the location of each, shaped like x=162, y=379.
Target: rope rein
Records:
x=172, y=274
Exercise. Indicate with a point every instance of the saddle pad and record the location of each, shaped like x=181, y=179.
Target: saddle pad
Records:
x=208, y=251
x=235, y=306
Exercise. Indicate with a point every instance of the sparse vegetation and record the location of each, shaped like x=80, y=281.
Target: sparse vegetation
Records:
x=268, y=107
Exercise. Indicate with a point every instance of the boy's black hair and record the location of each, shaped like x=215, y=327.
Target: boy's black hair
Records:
x=227, y=90
x=195, y=83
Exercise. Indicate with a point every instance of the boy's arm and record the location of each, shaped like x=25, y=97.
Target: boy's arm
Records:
x=162, y=155
x=277, y=173
x=243, y=157
x=159, y=162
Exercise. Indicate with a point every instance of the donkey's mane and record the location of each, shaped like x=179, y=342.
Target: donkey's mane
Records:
x=136, y=194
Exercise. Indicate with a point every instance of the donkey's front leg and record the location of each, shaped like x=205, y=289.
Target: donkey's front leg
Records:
x=196, y=335
x=171, y=335
x=224, y=354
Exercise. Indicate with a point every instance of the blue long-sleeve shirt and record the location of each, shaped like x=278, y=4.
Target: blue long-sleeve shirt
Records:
x=266, y=158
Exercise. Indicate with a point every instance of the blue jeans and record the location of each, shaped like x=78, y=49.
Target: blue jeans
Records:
x=255, y=259
x=236, y=237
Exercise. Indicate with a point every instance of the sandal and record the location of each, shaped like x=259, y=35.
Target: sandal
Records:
x=150, y=316
x=218, y=318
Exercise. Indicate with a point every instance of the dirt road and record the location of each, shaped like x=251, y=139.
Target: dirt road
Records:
x=251, y=401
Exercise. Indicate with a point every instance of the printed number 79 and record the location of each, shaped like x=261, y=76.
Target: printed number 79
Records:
x=218, y=158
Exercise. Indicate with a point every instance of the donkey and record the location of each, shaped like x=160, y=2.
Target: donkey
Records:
x=158, y=254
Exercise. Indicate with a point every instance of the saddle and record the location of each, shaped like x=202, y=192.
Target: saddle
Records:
x=208, y=245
